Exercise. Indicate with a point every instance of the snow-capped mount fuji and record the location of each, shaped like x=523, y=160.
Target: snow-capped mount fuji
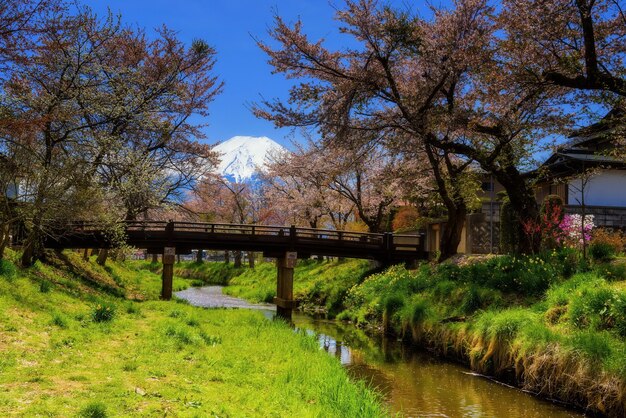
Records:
x=243, y=156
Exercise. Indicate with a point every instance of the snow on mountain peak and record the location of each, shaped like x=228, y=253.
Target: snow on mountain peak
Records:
x=242, y=156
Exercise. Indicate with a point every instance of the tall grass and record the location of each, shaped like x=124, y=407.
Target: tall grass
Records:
x=530, y=318
x=316, y=284
x=157, y=358
x=516, y=318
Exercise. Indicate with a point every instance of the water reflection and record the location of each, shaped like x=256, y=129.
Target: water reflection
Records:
x=416, y=384
x=412, y=382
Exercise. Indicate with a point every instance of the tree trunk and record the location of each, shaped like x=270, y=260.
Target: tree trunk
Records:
x=251, y=259
x=237, y=262
x=102, y=257
x=5, y=232
x=33, y=250
x=155, y=258
x=524, y=205
x=226, y=257
x=199, y=256
x=86, y=254
x=452, y=199
x=451, y=236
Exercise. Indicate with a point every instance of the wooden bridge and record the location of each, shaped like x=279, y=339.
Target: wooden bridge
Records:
x=286, y=244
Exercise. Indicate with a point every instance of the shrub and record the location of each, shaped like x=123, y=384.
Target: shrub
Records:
x=566, y=261
x=103, y=312
x=551, y=213
x=615, y=239
x=45, y=286
x=601, y=251
x=393, y=303
x=419, y=311
x=618, y=313
x=572, y=227
x=472, y=300
x=613, y=272
x=527, y=275
x=132, y=308
x=591, y=306
x=180, y=334
x=93, y=410
x=7, y=269
x=405, y=219
x=59, y=321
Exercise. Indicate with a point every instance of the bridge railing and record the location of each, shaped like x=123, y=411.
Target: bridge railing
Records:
x=219, y=228
x=386, y=241
x=332, y=234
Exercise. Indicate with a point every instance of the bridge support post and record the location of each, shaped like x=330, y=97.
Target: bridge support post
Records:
x=167, y=277
x=284, y=286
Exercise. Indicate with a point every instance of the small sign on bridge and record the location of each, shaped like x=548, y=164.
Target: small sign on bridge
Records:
x=291, y=258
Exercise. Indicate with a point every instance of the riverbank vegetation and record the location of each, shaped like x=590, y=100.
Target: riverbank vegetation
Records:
x=82, y=340
x=197, y=274
x=552, y=323
x=318, y=287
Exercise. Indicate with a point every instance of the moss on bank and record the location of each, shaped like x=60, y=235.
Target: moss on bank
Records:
x=72, y=345
x=534, y=321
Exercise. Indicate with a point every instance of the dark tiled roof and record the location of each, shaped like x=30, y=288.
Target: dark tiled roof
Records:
x=587, y=148
x=599, y=132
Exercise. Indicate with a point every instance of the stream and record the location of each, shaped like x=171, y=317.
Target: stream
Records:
x=411, y=381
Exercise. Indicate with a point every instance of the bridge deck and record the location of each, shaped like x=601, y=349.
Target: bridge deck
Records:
x=271, y=240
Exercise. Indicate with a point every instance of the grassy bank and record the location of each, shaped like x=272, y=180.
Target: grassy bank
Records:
x=548, y=323
x=74, y=344
x=197, y=274
x=317, y=285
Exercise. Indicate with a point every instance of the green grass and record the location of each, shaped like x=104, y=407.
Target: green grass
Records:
x=316, y=284
x=208, y=272
x=155, y=358
x=563, y=335
x=553, y=321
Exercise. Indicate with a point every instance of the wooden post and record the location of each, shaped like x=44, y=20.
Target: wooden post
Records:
x=169, y=256
x=284, y=286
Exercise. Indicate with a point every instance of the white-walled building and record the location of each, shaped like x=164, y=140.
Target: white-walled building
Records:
x=590, y=170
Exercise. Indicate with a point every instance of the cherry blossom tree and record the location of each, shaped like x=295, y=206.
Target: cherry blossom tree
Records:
x=92, y=100
x=365, y=177
x=295, y=188
x=393, y=84
x=576, y=44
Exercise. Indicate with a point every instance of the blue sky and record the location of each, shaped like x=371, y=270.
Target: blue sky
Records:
x=229, y=26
